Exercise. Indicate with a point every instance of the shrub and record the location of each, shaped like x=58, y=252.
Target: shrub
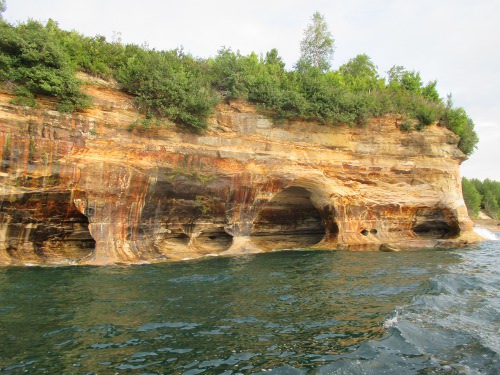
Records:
x=231, y=73
x=468, y=139
x=42, y=60
x=24, y=97
x=168, y=84
x=456, y=119
x=33, y=61
x=426, y=113
x=462, y=125
x=406, y=125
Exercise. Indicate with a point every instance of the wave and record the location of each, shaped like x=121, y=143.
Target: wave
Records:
x=486, y=233
x=455, y=324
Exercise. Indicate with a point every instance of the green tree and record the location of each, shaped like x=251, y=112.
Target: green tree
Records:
x=317, y=47
x=430, y=92
x=400, y=78
x=412, y=81
x=394, y=76
x=491, y=204
x=489, y=192
x=92, y=55
x=457, y=120
x=360, y=74
x=472, y=197
x=491, y=197
x=228, y=73
x=273, y=58
x=469, y=138
x=3, y=8
x=35, y=64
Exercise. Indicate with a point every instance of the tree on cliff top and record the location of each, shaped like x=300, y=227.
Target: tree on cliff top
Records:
x=3, y=8
x=41, y=60
x=360, y=74
x=317, y=47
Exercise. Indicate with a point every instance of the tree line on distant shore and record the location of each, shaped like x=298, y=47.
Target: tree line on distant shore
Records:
x=482, y=195
x=42, y=59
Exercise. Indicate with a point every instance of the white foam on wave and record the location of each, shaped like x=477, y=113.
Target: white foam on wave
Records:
x=391, y=322
x=486, y=233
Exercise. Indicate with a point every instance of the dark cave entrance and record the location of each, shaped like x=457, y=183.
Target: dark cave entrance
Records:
x=47, y=227
x=288, y=221
x=74, y=242
x=214, y=239
x=431, y=223
x=66, y=240
x=172, y=240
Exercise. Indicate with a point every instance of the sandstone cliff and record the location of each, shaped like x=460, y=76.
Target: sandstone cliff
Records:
x=85, y=188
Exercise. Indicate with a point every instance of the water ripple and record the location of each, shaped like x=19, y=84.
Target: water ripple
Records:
x=307, y=312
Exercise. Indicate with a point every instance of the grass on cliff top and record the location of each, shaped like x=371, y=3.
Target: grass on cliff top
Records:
x=37, y=59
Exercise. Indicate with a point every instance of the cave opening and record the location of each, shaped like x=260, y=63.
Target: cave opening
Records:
x=69, y=241
x=79, y=236
x=431, y=223
x=288, y=221
x=214, y=239
x=172, y=240
x=44, y=227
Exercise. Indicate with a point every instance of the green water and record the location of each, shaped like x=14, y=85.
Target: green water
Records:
x=287, y=312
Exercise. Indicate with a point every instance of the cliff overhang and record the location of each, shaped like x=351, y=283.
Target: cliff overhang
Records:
x=89, y=188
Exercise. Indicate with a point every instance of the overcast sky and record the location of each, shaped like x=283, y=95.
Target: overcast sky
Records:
x=456, y=42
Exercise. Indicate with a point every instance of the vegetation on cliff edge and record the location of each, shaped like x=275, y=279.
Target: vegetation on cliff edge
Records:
x=37, y=59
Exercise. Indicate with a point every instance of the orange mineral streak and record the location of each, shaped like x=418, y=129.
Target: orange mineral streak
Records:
x=89, y=188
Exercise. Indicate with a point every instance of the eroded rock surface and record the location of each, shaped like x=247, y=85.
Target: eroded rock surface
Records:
x=84, y=188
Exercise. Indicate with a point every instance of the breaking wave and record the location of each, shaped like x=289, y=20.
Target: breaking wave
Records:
x=486, y=233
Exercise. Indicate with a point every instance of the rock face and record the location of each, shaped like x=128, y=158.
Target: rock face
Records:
x=85, y=188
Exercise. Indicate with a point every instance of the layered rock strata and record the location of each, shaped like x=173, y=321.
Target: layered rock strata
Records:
x=87, y=188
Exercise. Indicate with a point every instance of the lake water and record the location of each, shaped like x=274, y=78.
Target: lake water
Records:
x=300, y=312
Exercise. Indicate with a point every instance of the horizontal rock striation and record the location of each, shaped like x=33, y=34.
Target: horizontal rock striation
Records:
x=87, y=188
